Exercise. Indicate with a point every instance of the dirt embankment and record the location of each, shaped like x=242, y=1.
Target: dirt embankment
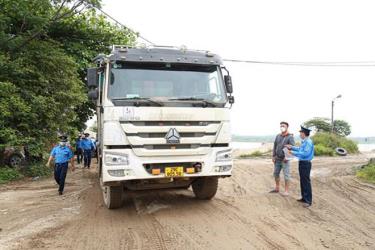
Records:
x=243, y=215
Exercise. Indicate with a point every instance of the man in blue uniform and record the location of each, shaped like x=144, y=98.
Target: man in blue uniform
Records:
x=79, y=150
x=61, y=154
x=87, y=146
x=304, y=153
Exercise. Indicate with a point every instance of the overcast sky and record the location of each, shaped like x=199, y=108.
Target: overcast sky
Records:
x=313, y=31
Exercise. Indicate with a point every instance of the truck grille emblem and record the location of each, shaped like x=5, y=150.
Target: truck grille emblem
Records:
x=173, y=137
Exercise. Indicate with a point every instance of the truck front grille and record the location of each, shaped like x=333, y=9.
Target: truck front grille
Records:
x=162, y=135
x=170, y=123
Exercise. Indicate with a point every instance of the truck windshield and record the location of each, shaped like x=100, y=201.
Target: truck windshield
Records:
x=177, y=83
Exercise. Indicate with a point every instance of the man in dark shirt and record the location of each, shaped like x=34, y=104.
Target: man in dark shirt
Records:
x=278, y=157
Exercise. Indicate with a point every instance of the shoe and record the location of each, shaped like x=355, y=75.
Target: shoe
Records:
x=285, y=194
x=274, y=191
x=306, y=205
x=60, y=192
x=301, y=200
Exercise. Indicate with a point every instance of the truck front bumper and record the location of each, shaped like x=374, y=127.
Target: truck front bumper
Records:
x=134, y=167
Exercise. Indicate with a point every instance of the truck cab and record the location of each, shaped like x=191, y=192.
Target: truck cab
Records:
x=163, y=120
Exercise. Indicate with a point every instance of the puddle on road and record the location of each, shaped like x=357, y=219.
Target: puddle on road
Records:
x=150, y=208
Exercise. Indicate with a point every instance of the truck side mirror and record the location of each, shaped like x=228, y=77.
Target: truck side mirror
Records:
x=231, y=99
x=93, y=94
x=92, y=77
x=228, y=84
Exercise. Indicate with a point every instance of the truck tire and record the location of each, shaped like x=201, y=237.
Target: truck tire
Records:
x=341, y=151
x=15, y=161
x=112, y=196
x=205, y=188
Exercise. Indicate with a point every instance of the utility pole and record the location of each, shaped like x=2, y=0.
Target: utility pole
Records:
x=332, y=107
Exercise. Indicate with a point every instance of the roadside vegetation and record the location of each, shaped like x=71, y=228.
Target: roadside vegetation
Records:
x=255, y=154
x=35, y=170
x=9, y=174
x=367, y=173
x=326, y=141
x=45, y=48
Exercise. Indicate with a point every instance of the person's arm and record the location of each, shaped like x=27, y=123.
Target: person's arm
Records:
x=71, y=155
x=274, y=150
x=304, y=150
x=72, y=164
x=51, y=157
x=295, y=148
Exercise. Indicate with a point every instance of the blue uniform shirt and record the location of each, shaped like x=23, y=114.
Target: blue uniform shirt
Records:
x=61, y=154
x=87, y=144
x=305, y=152
x=78, y=143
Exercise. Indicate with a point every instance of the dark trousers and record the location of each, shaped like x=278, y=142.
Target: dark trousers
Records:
x=304, y=168
x=87, y=158
x=60, y=174
x=79, y=155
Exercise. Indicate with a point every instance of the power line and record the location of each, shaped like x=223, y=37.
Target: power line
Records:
x=119, y=23
x=309, y=64
x=306, y=64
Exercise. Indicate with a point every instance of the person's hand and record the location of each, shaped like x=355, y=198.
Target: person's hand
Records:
x=273, y=159
x=288, y=146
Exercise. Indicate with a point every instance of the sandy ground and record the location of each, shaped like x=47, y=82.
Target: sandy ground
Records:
x=243, y=215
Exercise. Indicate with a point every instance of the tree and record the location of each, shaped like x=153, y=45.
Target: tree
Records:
x=45, y=47
x=341, y=128
x=321, y=124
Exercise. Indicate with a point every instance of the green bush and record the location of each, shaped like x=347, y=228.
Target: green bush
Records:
x=9, y=174
x=326, y=143
x=367, y=173
x=323, y=150
x=37, y=169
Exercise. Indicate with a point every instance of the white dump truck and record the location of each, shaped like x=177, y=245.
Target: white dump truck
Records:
x=163, y=120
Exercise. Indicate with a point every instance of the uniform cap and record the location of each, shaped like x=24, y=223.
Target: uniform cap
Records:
x=305, y=130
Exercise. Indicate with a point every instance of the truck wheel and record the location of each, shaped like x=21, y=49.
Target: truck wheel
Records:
x=112, y=196
x=15, y=161
x=205, y=188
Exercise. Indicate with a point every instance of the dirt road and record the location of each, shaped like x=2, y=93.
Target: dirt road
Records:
x=243, y=215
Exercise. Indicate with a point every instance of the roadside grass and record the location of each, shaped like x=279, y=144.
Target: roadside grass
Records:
x=367, y=173
x=9, y=174
x=36, y=169
x=254, y=154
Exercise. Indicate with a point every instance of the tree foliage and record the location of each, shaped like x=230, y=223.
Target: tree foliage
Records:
x=45, y=47
x=341, y=128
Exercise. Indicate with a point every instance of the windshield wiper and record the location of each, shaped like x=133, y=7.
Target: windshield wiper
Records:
x=194, y=99
x=136, y=99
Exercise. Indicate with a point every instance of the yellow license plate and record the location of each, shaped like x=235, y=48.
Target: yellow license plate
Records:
x=174, y=171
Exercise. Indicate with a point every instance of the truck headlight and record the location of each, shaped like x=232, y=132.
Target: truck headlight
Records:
x=116, y=159
x=225, y=155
